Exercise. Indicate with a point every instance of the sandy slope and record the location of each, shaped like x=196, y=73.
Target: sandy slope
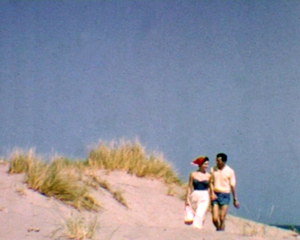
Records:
x=152, y=214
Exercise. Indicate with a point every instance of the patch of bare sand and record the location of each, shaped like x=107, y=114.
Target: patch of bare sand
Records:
x=151, y=214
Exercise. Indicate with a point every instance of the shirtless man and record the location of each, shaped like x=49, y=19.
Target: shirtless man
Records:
x=222, y=183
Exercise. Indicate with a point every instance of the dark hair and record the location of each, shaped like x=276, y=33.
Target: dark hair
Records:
x=223, y=156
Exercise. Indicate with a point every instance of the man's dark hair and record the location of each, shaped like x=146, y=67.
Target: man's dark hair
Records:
x=223, y=156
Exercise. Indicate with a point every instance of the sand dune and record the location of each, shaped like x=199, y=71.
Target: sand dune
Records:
x=152, y=213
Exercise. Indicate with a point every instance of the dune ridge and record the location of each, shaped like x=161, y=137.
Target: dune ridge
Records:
x=152, y=212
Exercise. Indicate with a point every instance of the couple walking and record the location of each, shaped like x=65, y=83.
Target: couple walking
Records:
x=213, y=187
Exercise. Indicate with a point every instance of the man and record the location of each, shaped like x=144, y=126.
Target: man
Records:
x=222, y=183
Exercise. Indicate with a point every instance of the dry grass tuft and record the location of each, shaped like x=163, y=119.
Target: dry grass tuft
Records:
x=76, y=227
x=70, y=181
x=132, y=158
x=59, y=179
x=19, y=161
x=253, y=229
x=249, y=228
x=170, y=191
x=103, y=184
x=118, y=195
x=21, y=189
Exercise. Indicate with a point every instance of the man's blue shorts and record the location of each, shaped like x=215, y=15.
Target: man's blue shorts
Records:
x=222, y=199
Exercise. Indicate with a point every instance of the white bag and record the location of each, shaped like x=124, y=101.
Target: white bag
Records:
x=188, y=215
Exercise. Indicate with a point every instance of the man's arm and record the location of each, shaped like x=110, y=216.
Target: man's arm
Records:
x=233, y=191
x=235, y=201
x=213, y=196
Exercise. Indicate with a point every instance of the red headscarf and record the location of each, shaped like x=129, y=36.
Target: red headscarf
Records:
x=199, y=160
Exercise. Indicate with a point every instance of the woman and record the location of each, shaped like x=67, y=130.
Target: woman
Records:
x=198, y=191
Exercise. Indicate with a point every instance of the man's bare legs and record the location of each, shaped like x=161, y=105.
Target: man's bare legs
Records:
x=219, y=216
x=223, y=212
x=215, y=215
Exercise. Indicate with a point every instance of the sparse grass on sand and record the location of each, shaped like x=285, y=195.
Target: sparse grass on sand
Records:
x=70, y=180
x=59, y=179
x=76, y=227
x=132, y=158
x=97, y=181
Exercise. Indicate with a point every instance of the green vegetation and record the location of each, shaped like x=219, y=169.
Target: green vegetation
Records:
x=71, y=180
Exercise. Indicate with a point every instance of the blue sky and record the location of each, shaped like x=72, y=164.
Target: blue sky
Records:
x=186, y=78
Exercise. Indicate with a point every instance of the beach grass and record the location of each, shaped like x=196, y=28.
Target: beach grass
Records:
x=71, y=181
x=19, y=161
x=131, y=157
x=96, y=181
x=76, y=227
x=59, y=179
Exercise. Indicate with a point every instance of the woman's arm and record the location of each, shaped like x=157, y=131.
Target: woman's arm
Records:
x=209, y=186
x=189, y=189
